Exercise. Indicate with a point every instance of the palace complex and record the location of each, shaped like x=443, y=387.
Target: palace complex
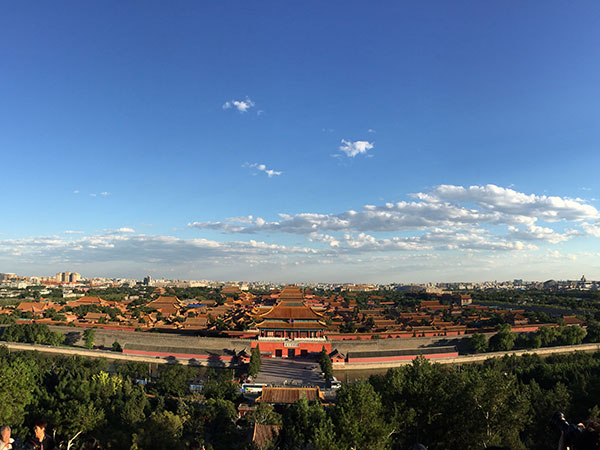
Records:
x=355, y=328
x=291, y=328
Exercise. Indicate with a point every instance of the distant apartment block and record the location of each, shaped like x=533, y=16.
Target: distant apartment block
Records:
x=68, y=277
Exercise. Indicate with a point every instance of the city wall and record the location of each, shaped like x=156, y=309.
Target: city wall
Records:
x=105, y=338
x=473, y=359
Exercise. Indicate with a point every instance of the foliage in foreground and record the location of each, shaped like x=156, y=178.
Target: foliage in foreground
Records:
x=504, y=401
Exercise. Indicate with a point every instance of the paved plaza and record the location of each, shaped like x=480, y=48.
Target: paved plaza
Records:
x=290, y=372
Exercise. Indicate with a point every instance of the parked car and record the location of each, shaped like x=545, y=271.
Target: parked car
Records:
x=334, y=383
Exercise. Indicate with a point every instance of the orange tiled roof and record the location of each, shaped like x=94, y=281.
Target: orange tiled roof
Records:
x=291, y=312
x=34, y=307
x=572, y=320
x=269, y=324
x=96, y=316
x=165, y=301
x=291, y=293
x=231, y=290
x=85, y=300
x=288, y=395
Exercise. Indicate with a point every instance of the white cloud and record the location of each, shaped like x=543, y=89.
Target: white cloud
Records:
x=76, y=191
x=371, y=130
x=537, y=233
x=317, y=237
x=592, y=229
x=389, y=217
x=447, y=217
x=351, y=149
x=241, y=105
x=105, y=193
x=72, y=232
x=435, y=240
x=263, y=168
x=351, y=257
x=508, y=202
x=140, y=248
x=125, y=230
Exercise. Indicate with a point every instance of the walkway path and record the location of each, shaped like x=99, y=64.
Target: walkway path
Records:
x=292, y=372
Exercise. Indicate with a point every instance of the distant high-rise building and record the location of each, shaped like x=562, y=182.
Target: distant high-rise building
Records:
x=148, y=280
x=74, y=277
x=68, y=277
x=7, y=276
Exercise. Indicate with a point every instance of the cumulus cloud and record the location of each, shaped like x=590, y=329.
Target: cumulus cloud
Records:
x=445, y=218
x=537, y=233
x=592, y=229
x=241, y=105
x=351, y=149
x=318, y=237
x=140, y=248
x=444, y=206
x=435, y=240
x=508, y=202
x=263, y=168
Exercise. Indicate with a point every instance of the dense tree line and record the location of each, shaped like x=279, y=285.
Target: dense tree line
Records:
x=576, y=299
x=505, y=401
x=32, y=333
x=505, y=339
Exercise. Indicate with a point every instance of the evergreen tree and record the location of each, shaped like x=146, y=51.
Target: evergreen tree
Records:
x=89, y=335
x=255, y=362
x=325, y=363
x=478, y=343
x=307, y=426
x=358, y=416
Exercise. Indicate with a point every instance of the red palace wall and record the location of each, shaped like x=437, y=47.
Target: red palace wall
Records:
x=311, y=348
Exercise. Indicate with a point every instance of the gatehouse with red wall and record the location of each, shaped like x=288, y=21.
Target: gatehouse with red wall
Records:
x=291, y=328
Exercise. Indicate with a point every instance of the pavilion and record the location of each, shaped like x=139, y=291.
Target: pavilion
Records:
x=291, y=328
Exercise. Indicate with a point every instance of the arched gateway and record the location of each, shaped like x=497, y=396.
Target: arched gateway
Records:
x=291, y=328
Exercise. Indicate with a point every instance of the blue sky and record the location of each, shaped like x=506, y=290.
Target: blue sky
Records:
x=237, y=140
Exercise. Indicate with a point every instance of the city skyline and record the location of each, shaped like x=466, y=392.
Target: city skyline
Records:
x=344, y=142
